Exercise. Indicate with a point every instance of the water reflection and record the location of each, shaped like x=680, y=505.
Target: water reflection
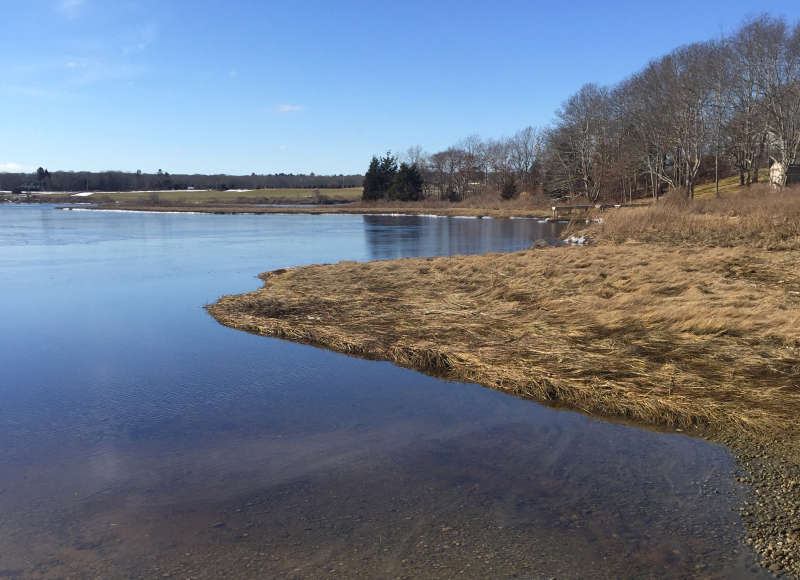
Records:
x=402, y=236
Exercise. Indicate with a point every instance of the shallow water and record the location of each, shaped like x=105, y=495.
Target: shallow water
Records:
x=140, y=438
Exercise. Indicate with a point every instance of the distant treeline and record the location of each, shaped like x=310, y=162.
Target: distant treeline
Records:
x=44, y=180
x=704, y=111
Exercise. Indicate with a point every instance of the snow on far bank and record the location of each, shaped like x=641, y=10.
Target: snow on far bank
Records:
x=84, y=194
x=129, y=210
x=161, y=191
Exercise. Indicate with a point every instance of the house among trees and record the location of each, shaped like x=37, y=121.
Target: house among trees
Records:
x=778, y=177
x=793, y=174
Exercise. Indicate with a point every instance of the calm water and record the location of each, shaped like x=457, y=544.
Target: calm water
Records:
x=139, y=438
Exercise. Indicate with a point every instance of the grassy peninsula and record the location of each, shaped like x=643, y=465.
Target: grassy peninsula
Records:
x=684, y=315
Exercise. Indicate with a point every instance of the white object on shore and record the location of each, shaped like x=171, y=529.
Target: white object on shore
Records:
x=577, y=241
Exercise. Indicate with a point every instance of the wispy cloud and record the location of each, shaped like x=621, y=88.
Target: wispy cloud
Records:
x=85, y=71
x=12, y=167
x=140, y=39
x=31, y=91
x=290, y=108
x=70, y=8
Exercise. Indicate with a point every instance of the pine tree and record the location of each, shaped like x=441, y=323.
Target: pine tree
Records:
x=379, y=177
x=407, y=185
x=509, y=189
x=372, y=181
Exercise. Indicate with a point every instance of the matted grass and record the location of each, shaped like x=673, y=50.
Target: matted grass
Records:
x=669, y=337
x=759, y=217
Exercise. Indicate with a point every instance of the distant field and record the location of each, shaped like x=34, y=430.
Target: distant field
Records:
x=200, y=196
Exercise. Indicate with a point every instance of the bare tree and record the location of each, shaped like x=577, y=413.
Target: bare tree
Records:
x=777, y=67
x=525, y=152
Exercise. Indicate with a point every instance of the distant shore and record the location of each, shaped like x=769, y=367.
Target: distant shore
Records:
x=681, y=317
x=345, y=208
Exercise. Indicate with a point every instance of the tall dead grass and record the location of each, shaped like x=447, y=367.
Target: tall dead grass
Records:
x=759, y=217
x=665, y=336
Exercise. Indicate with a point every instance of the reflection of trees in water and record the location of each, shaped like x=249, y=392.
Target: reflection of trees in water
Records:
x=402, y=236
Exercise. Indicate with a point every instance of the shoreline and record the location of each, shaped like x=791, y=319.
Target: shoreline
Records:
x=346, y=209
x=565, y=327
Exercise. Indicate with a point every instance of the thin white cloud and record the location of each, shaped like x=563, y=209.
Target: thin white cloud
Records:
x=29, y=91
x=140, y=39
x=86, y=71
x=290, y=108
x=11, y=167
x=70, y=8
x=282, y=147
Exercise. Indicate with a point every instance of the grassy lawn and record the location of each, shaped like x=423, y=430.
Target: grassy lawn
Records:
x=727, y=185
x=205, y=196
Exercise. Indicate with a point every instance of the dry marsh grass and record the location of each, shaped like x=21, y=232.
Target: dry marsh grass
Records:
x=664, y=336
x=758, y=217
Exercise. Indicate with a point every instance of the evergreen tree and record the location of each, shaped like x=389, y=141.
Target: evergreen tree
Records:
x=379, y=177
x=407, y=185
x=509, y=189
x=372, y=181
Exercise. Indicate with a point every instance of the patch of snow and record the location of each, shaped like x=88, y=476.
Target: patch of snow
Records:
x=129, y=210
x=577, y=241
x=84, y=194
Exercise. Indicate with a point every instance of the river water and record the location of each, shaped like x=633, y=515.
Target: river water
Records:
x=139, y=438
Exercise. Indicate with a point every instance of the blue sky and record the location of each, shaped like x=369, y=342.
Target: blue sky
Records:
x=294, y=86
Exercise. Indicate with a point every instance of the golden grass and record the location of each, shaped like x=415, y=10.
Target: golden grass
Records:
x=669, y=337
x=758, y=217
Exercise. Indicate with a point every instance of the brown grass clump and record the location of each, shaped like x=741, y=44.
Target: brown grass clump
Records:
x=758, y=217
x=665, y=336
